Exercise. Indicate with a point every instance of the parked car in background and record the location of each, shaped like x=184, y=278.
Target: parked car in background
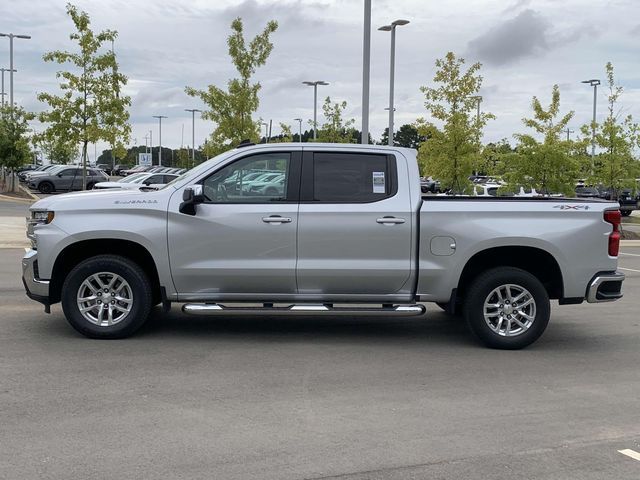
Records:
x=66, y=179
x=105, y=167
x=138, y=180
x=628, y=201
x=118, y=169
x=428, y=184
x=22, y=176
x=272, y=187
x=27, y=168
x=587, y=192
x=136, y=169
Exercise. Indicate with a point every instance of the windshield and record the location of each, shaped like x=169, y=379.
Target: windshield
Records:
x=203, y=167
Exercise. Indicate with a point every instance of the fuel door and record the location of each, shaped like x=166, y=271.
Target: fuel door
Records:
x=443, y=246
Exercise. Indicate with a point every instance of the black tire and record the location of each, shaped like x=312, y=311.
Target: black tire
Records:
x=625, y=213
x=45, y=187
x=142, y=298
x=479, y=292
x=90, y=186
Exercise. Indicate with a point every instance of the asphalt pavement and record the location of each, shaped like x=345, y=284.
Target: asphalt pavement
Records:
x=284, y=398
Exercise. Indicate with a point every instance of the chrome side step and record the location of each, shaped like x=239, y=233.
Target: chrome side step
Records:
x=212, y=309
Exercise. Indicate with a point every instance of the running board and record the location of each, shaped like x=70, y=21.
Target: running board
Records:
x=209, y=309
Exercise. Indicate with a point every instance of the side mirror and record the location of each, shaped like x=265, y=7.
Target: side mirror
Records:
x=191, y=196
x=59, y=175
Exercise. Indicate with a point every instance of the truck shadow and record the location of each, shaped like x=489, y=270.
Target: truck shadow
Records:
x=432, y=328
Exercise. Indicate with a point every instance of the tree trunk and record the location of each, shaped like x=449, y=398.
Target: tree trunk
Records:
x=84, y=164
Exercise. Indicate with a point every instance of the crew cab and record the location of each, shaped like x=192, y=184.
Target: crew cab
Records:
x=349, y=233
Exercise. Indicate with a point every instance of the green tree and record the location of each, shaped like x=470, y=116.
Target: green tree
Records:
x=406, y=136
x=547, y=164
x=454, y=146
x=232, y=110
x=336, y=129
x=14, y=140
x=615, y=167
x=90, y=107
x=495, y=158
x=285, y=134
x=56, y=148
x=183, y=157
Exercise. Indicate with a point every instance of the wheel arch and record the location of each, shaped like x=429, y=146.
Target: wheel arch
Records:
x=536, y=261
x=75, y=253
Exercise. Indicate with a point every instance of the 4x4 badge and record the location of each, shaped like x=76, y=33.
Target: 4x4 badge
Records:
x=572, y=207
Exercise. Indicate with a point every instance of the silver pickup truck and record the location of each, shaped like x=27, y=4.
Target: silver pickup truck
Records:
x=318, y=229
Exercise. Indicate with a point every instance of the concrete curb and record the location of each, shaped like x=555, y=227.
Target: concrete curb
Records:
x=28, y=192
x=7, y=198
x=630, y=243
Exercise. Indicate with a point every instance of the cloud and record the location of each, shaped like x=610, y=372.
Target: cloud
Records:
x=514, y=7
x=523, y=36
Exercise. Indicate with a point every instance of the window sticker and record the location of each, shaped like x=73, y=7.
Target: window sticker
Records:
x=379, y=182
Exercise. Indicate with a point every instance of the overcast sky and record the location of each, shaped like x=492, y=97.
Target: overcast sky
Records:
x=525, y=47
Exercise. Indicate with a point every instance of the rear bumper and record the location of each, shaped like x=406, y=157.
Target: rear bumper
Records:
x=605, y=287
x=36, y=288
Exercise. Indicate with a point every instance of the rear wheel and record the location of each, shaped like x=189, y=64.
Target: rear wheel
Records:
x=90, y=186
x=107, y=296
x=507, y=308
x=625, y=213
x=45, y=187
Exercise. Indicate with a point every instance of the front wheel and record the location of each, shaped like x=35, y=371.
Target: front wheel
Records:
x=507, y=308
x=625, y=213
x=107, y=296
x=45, y=188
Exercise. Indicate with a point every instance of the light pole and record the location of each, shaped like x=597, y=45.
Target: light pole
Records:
x=366, y=68
x=478, y=99
x=315, y=103
x=299, y=120
x=159, y=117
x=392, y=62
x=594, y=82
x=3, y=92
x=193, y=133
x=569, y=132
x=11, y=70
x=266, y=132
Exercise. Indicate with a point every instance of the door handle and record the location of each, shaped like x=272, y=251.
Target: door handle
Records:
x=276, y=219
x=390, y=220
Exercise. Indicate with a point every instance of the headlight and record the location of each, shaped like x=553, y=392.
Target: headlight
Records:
x=42, y=217
x=38, y=217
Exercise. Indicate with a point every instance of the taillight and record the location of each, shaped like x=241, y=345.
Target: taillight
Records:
x=613, y=217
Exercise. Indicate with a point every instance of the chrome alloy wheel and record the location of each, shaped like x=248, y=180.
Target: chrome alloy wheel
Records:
x=509, y=310
x=104, y=299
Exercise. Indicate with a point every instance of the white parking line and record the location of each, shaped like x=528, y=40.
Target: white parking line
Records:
x=630, y=453
x=629, y=269
x=630, y=254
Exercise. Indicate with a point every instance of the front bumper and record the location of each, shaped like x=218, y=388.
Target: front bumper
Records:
x=605, y=287
x=36, y=288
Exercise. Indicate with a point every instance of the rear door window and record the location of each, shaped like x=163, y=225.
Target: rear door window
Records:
x=352, y=177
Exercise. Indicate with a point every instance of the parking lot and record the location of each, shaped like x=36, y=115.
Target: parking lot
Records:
x=355, y=398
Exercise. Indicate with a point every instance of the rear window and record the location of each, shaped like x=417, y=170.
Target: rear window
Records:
x=352, y=178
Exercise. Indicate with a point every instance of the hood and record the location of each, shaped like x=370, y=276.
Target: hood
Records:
x=107, y=199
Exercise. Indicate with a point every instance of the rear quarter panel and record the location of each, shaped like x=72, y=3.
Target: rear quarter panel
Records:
x=576, y=237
